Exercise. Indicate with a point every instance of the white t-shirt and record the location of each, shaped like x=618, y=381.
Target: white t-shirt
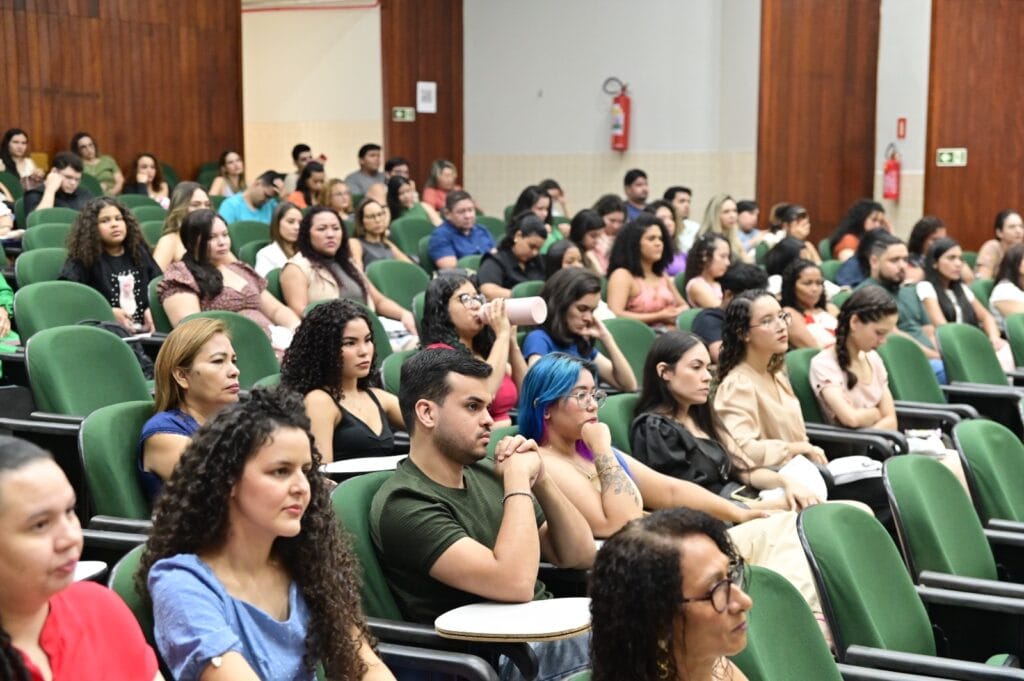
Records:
x=1004, y=291
x=268, y=258
x=925, y=291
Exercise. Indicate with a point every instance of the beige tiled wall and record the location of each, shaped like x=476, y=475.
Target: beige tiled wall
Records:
x=269, y=145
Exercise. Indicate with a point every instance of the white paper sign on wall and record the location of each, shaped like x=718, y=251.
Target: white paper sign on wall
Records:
x=426, y=96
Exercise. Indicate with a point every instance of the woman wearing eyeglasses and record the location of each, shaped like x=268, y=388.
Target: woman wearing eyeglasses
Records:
x=667, y=601
x=454, y=317
x=371, y=242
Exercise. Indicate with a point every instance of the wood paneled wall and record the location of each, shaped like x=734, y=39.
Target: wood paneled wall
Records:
x=974, y=85
x=163, y=76
x=816, y=122
x=422, y=40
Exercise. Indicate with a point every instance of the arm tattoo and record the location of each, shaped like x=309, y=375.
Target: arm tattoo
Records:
x=613, y=478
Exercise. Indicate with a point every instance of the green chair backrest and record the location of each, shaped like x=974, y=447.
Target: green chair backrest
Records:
x=910, y=375
x=161, y=321
x=256, y=358
x=508, y=211
x=840, y=298
x=122, y=582
x=65, y=384
x=391, y=370
x=862, y=581
x=496, y=435
x=48, y=304
x=634, y=339
x=147, y=212
x=247, y=252
x=761, y=251
x=406, y=233
x=245, y=231
x=1015, y=334
x=970, y=258
x=829, y=269
x=19, y=213
x=469, y=262
x=398, y=280
x=46, y=235
x=995, y=459
x=207, y=173
x=798, y=366
x=418, y=302
x=134, y=201
x=215, y=201
x=423, y=249
x=527, y=289
x=496, y=226
x=12, y=183
x=684, y=322
x=40, y=264
x=770, y=652
x=617, y=413
x=41, y=215
x=91, y=184
x=825, y=249
x=584, y=675
x=351, y=502
x=679, y=280
x=274, y=283
x=170, y=175
x=268, y=381
x=982, y=289
x=152, y=230
x=968, y=355
x=109, y=445
x=938, y=527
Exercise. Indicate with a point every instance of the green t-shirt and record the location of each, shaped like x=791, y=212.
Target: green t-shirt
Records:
x=413, y=520
x=104, y=172
x=911, y=313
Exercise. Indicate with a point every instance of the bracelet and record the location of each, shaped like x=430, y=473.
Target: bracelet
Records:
x=513, y=494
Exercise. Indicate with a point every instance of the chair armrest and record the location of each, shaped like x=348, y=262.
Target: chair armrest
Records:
x=965, y=411
x=1000, y=537
x=942, y=667
x=858, y=442
x=462, y=665
x=111, y=523
x=42, y=427
x=988, y=587
x=57, y=418
x=852, y=673
x=106, y=540
x=1005, y=525
x=984, y=390
x=920, y=417
x=970, y=600
x=898, y=439
x=402, y=443
x=1016, y=376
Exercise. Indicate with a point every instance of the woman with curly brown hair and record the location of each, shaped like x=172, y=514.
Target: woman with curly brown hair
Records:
x=246, y=567
x=332, y=361
x=106, y=251
x=667, y=601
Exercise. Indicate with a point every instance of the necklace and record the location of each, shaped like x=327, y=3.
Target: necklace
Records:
x=589, y=475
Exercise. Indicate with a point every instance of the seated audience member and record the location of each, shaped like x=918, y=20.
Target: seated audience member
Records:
x=309, y=186
x=746, y=219
x=612, y=210
x=454, y=317
x=301, y=155
x=586, y=230
x=257, y=202
x=681, y=565
x=796, y=227
x=284, y=234
x=8, y=234
x=887, y=267
x=707, y=261
x=857, y=268
x=708, y=323
x=460, y=234
x=674, y=433
x=396, y=166
x=925, y=232
x=638, y=287
x=377, y=192
x=664, y=211
x=337, y=197
x=516, y=259
x=442, y=179
x=440, y=523
x=196, y=375
x=1009, y=229
x=147, y=178
x=16, y=159
x=559, y=204
x=103, y=167
x=210, y=278
x=186, y=198
x=404, y=201
x=371, y=242
x=636, y=189
x=562, y=254
x=680, y=198
x=52, y=626
x=62, y=188
x=322, y=269
x=720, y=217
x=9, y=338
x=368, y=174
x=946, y=299
x=231, y=178
x=246, y=568
x=534, y=200
x=332, y=363
x=813, y=318
x=863, y=216
x=1007, y=296
x=573, y=296
x=107, y=252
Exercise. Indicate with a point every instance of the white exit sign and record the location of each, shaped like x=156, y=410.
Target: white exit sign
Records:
x=403, y=114
x=951, y=157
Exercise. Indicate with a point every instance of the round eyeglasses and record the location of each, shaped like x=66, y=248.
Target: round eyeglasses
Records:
x=585, y=397
x=470, y=300
x=782, y=319
x=721, y=593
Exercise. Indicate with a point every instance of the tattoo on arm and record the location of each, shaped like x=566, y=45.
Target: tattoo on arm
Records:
x=613, y=478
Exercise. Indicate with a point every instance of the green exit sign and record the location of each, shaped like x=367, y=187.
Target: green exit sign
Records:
x=403, y=114
x=951, y=157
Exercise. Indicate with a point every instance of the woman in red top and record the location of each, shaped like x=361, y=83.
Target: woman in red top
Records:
x=53, y=628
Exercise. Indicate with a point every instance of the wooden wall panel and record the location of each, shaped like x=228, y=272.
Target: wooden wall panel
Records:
x=163, y=76
x=816, y=121
x=422, y=40
x=974, y=80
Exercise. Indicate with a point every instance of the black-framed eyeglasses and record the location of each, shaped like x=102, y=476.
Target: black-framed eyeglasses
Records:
x=783, y=319
x=468, y=299
x=585, y=397
x=721, y=593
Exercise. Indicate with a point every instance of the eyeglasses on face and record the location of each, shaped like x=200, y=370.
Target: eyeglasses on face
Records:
x=374, y=216
x=782, y=319
x=585, y=397
x=470, y=300
x=721, y=593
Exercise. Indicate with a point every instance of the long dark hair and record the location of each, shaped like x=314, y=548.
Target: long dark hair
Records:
x=655, y=395
x=923, y=229
x=853, y=221
x=158, y=174
x=527, y=198
x=555, y=255
x=735, y=332
x=869, y=304
x=560, y=292
x=525, y=224
x=195, y=233
x=395, y=207
x=1009, y=266
x=342, y=258
x=191, y=516
x=626, y=249
x=789, y=278
x=302, y=184
x=636, y=590
x=10, y=165
x=84, y=242
x=931, y=274
x=437, y=326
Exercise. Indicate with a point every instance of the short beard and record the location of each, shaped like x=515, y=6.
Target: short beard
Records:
x=454, y=449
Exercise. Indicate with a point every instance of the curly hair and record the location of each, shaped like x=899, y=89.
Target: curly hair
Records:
x=853, y=221
x=701, y=253
x=626, y=249
x=869, y=304
x=735, y=331
x=84, y=243
x=313, y=361
x=790, y=276
x=636, y=591
x=923, y=229
x=158, y=171
x=437, y=326
x=323, y=263
x=191, y=516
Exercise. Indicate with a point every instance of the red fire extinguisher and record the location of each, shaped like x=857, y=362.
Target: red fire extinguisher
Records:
x=891, y=173
x=620, y=114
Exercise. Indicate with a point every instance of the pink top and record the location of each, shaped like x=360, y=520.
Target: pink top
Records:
x=432, y=196
x=246, y=302
x=825, y=372
x=652, y=297
x=506, y=397
x=715, y=288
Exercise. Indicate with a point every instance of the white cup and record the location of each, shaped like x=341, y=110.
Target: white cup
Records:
x=520, y=311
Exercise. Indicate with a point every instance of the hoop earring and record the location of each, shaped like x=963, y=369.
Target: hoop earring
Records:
x=664, y=670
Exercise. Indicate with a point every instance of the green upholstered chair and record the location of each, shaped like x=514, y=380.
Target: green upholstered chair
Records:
x=12, y=183
x=982, y=289
x=527, y=289
x=994, y=460
x=109, y=445
x=825, y=249
x=418, y=301
x=469, y=262
x=274, y=284
x=1015, y=334
x=246, y=231
x=134, y=201
x=161, y=322
x=49, y=304
x=268, y=381
x=170, y=175
x=391, y=370
x=91, y=184
x=46, y=235
x=798, y=366
x=247, y=252
x=152, y=230
x=147, y=212
x=968, y=355
x=684, y=322
x=122, y=582
x=617, y=413
x=829, y=269
x=496, y=226
x=56, y=214
x=256, y=358
x=398, y=280
x=406, y=233
x=634, y=340
x=40, y=264
x=423, y=250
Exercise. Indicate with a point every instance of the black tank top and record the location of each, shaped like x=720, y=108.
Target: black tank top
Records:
x=354, y=439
